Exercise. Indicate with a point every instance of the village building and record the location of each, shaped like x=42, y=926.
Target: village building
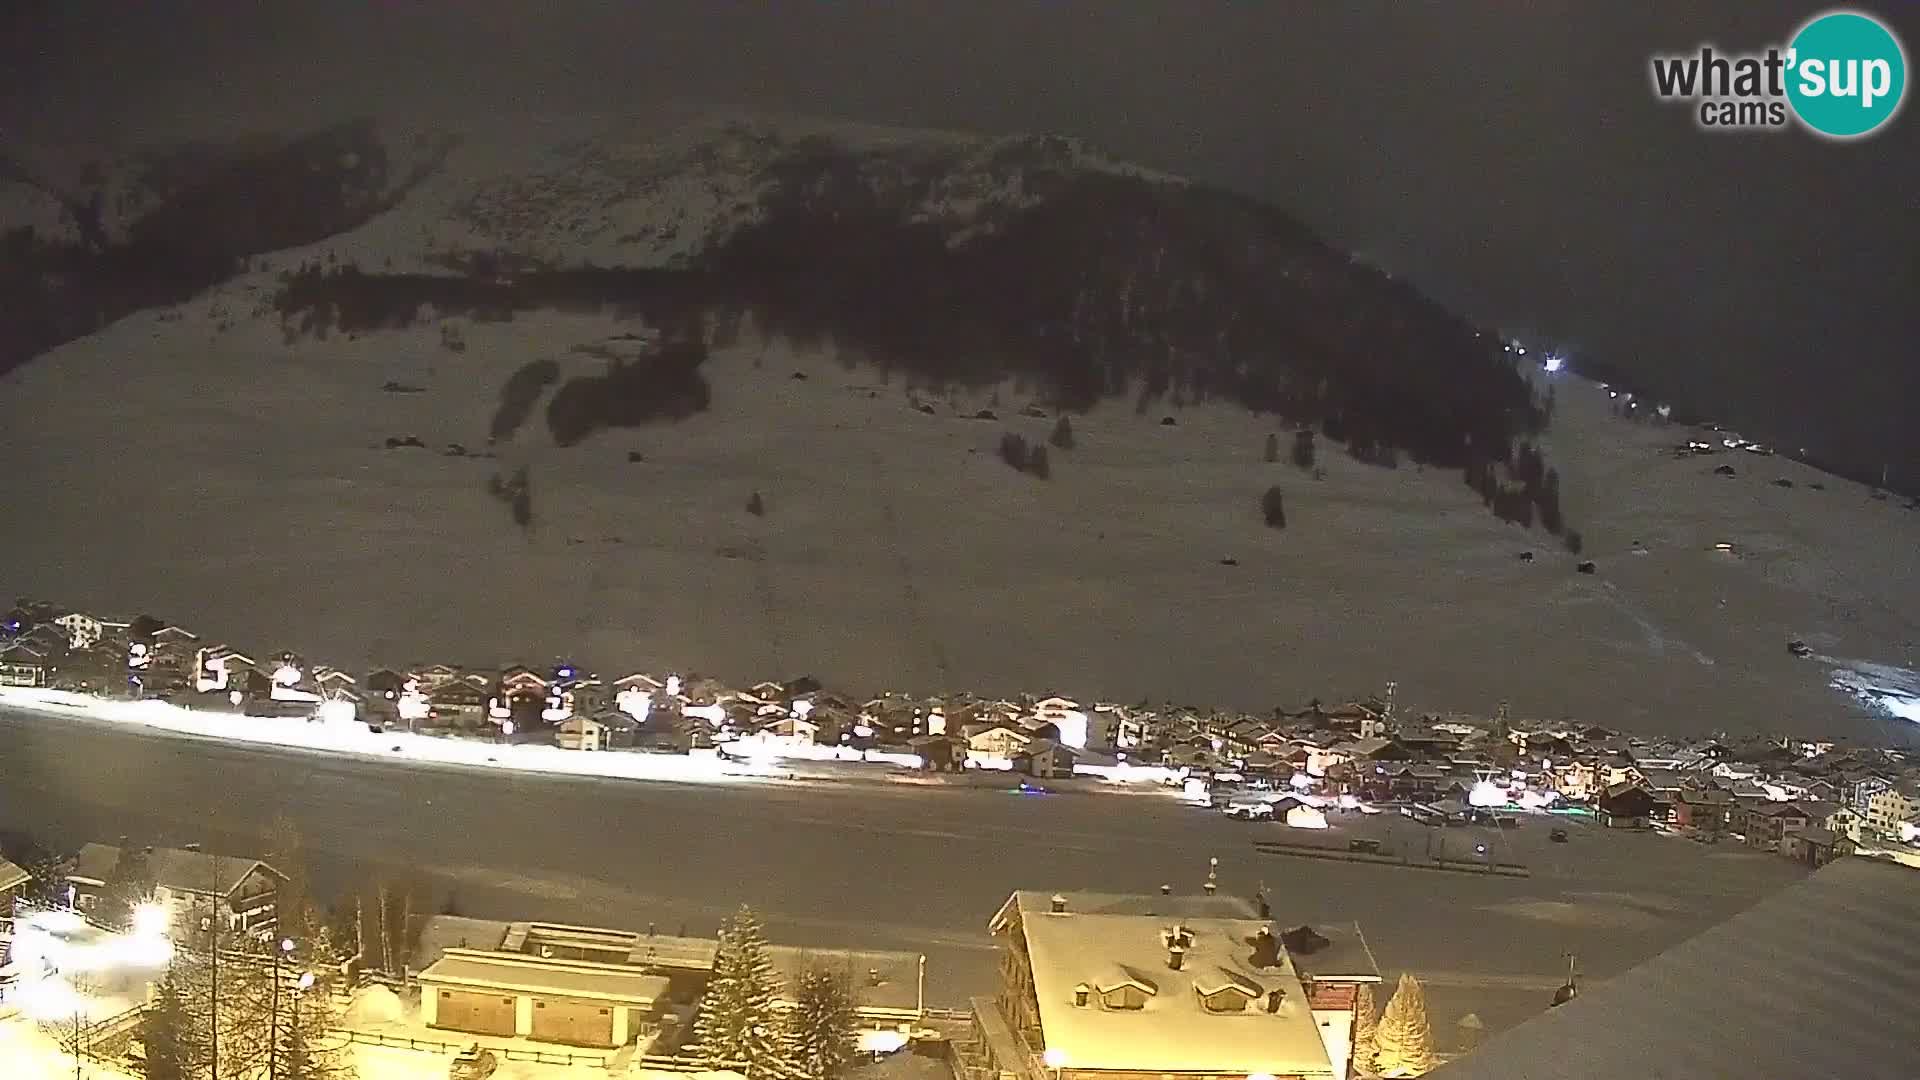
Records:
x=1815, y=846
x=1894, y=809
x=1626, y=806
x=600, y=987
x=1107, y=986
x=1046, y=759
x=190, y=884
x=83, y=631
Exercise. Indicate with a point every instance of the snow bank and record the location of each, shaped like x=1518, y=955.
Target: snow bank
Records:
x=374, y=1005
x=356, y=739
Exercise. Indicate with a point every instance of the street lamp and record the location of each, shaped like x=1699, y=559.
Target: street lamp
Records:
x=273, y=1017
x=1056, y=1059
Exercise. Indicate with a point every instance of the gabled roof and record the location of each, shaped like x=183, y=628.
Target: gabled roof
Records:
x=1172, y=1031
x=11, y=876
x=179, y=870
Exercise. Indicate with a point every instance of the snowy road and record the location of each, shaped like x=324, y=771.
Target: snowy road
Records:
x=912, y=868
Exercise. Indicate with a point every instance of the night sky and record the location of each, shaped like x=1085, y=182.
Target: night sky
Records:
x=1510, y=159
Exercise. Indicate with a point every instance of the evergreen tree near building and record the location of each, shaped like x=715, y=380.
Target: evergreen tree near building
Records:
x=1405, y=1036
x=306, y=1049
x=820, y=1028
x=737, y=1026
x=170, y=1038
x=128, y=885
x=1366, y=1029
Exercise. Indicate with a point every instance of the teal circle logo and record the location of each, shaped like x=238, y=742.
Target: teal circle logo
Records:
x=1848, y=74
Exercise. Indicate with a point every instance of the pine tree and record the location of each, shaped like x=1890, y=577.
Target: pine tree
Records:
x=1405, y=1037
x=1273, y=508
x=820, y=1028
x=128, y=885
x=293, y=905
x=168, y=1034
x=306, y=1050
x=1062, y=434
x=737, y=1026
x=1366, y=1029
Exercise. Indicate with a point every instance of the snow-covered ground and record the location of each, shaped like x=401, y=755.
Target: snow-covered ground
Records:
x=234, y=482
x=348, y=737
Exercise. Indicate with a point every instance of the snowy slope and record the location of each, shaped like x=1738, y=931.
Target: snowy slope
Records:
x=201, y=463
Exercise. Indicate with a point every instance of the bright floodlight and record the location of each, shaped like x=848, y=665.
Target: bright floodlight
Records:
x=1555, y=361
x=286, y=675
x=1054, y=1057
x=1487, y=793
x=335, y=712
x=286, y=944
x=306, y=980
x=150, y=920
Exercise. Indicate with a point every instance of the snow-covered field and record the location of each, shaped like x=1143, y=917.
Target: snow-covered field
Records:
x=233, y=482
x=236, y=484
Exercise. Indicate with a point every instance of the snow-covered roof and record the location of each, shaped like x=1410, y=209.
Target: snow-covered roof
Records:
x=1172, y=1031
x=181, y=871
x=540, y=975
x=1815, y=980
x=438, y=933
x=11, y=876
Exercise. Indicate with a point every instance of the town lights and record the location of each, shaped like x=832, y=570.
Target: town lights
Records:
x=337, y=711
x=1486, y=793
x=286, y=675
x=1554, y=362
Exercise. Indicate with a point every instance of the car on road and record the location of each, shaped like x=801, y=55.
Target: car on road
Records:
x=473, y=1063
x=1250, y=810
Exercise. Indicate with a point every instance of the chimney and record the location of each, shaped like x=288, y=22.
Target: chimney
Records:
x=1058, y=905
x=1166, y=890
x=1176, y=955
x=1274, y=998
x=873, y=976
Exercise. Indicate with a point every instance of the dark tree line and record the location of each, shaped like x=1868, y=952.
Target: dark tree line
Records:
x=1111, y=286
x=1522, y=489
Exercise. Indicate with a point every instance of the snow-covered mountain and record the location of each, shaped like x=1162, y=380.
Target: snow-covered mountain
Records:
x=640, y=322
